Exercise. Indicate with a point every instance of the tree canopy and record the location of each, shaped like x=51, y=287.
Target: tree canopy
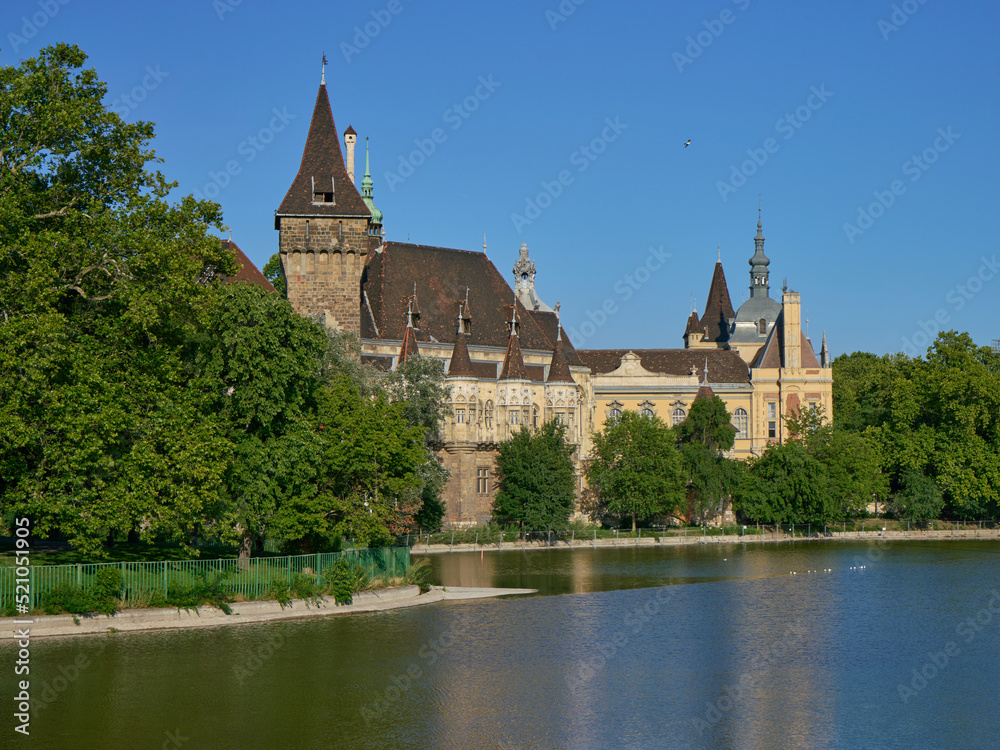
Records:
x=535, y=478
x=634, y=470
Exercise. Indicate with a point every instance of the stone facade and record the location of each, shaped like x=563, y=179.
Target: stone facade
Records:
x=323, y=259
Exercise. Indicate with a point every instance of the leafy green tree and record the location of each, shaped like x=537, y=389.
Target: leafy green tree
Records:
x=918, y=500
x=634, y=468
x=371, y=462
x=535, y=479
x=708, y=423
x=103, y=284
x=703, y=436
x=791, y=487
x=261, y=362
x=273, y=272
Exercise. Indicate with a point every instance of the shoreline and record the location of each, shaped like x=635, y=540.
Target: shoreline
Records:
x=675, y=541
x=165, y=618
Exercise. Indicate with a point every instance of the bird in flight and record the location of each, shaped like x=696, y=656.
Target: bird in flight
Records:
x=688, y=143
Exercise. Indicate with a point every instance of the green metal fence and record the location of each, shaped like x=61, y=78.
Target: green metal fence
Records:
x=140, y=580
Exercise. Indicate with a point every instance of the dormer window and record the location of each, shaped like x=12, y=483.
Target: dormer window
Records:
x=762, y=326
x=322, y=193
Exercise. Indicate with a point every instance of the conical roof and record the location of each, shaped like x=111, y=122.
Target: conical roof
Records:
x=558, y=367
x=460, y=365
x=719, y=309
x=513, y=361
x=322, y=171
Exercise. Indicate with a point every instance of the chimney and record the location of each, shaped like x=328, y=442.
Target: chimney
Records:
x=350, y=138
x=791, y=313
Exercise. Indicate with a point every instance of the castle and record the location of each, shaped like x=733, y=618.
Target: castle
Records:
x=507, y=359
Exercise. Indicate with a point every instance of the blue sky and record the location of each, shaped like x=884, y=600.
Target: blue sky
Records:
x=867, y=128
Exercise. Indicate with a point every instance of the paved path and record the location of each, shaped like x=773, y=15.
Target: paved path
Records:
x=243, y=612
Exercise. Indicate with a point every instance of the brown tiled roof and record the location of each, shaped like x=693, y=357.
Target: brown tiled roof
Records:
x=460, y=365
x=350, y=131
x=772, y=355
x=693, y=325
x=704, y=391
x=718, y=308
x=558, y=369
x=513, y=362
x=248, y=273
x=322, y=161
x=724, y=366
x=442, y=276
x=548, y=321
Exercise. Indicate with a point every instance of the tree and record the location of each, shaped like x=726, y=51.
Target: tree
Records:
x=634, y=468
x=273, y=272
x=535, y=478
x=371, y=468
x=103, y=285
x=261, y=362
x=789, y=486
x=704, y=434
x=709, y=424
x=918, y=500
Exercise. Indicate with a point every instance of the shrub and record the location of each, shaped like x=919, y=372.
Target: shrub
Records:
x=345, y=577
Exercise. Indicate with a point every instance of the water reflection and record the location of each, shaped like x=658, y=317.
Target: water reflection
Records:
x=697, y=647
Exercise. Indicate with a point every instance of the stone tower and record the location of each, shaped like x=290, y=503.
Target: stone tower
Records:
x=323, y=227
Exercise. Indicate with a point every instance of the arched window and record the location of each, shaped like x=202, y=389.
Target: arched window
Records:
x=488, y=415
x=741, y=421
x=534, y=417
x=677, y=415
x=647, y=413
x=762, y=326
x=614, y=415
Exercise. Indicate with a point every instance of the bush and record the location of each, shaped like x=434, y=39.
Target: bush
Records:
x=207, y=589
x=345, y=577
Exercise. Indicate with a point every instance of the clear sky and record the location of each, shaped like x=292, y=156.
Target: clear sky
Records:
x=868, y=128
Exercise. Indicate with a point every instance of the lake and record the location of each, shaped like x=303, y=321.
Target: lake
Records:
x=705, y=646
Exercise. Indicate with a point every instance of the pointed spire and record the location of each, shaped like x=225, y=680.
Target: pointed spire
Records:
x=558, y=367
x=704, y=390
x=460, y=365
x=718, y=308
x=513, y=361
x=367, y=196
x=322, y=187
x=409, y=348
x=759, y=263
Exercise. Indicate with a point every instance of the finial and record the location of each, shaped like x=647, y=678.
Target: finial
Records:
x=322, y=80
x=719, y=259
x=484, y=242
x=409, y=314
x=367, y=171
x=466, y=296
x=558, y=323
x=784, y=285
x=230, y=234
x=461, y=324
x=705, y=378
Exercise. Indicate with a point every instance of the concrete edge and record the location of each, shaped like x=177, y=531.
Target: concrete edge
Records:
x=131, y=620
x=134, y=620
x=671, y=541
